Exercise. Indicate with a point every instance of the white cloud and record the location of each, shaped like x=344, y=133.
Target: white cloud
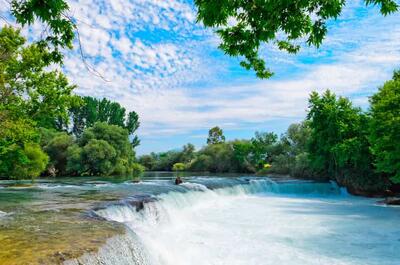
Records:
x=160, y=63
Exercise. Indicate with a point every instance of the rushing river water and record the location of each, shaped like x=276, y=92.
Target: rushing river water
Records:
x=209, y=220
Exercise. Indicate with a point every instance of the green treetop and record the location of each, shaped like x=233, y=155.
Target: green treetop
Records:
x=215, y=136
x=385, y=128
x=244, y=26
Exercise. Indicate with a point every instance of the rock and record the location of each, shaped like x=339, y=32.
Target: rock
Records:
x=392, y=201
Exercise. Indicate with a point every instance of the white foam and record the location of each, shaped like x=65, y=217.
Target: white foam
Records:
x=263, y=224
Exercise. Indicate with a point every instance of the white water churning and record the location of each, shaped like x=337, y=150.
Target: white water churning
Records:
x=296, y=223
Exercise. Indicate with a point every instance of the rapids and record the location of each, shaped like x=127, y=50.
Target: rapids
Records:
x=251, y=221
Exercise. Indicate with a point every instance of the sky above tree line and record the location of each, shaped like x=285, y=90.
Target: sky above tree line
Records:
x=156, y=60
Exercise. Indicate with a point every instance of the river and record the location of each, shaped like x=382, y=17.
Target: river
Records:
x=207, y=220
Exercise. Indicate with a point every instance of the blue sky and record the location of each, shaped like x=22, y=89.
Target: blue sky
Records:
x=157, y=61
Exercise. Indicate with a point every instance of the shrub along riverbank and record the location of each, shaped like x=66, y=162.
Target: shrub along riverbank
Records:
x=337, y=141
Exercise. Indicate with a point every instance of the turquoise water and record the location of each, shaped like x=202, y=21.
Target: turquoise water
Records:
x=218, y=219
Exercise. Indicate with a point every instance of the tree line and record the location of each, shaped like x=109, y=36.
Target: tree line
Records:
x=46, y=129
x=337, y=141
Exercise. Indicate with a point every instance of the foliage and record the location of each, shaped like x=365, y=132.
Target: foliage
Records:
x=215, y=136
x=275, y=22
x=19, y=162
x=166, y=160
x=94, y=110
x=338, y=146
x=215, y=158
x=60, y=27
x=30, y=96
x=243, y=152
x=137, y=169
x=148, y=161
x=57, y=148
x=264, y=148
x=385, y=128
x=98, y=157
x=201, y=163
x=36, y=162
x=178, y=167
x=25, y=85
x=102, y=150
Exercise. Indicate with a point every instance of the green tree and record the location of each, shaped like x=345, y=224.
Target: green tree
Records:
x=385, y=128
x=148, y=161
x=94, y=110
x=178, y=167
x=26, y=86
x=35, y=162
x=102, y=150
x=289, y=154
x=30, y=96
x=277, y=22
x=243, y=151
x=18, y=147
x=75, y=164
x=188, y=153
x=338, y=146
x=57, y=150
x=264, y=148
x=201, y=163
x=215, y=136
x=215, y=158
x=60, y=28
x=99, y=157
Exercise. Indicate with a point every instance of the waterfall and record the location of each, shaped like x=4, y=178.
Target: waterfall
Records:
x=151, y=223
x=118, y=250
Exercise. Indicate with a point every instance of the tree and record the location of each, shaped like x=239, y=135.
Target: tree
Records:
x=178, y=167
x=385, y=128
x=26, y=86
x=148, y=161
x=30, y=96
x=102, y=150
x=99, y=157
x=94, y=110
x=57, y=149
x=60, y=28
x=264, y=147
x=243, y=151
x=215, y=136
x=289, y=155
x=187, y=153
x=338, y=146
x=20, y=157
x=216, y=158
x=278, y=22
x=35, y=162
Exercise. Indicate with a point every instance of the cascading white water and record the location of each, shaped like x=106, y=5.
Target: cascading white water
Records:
x=261, y=223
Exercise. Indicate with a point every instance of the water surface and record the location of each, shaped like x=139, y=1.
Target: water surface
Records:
x=207, y=220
